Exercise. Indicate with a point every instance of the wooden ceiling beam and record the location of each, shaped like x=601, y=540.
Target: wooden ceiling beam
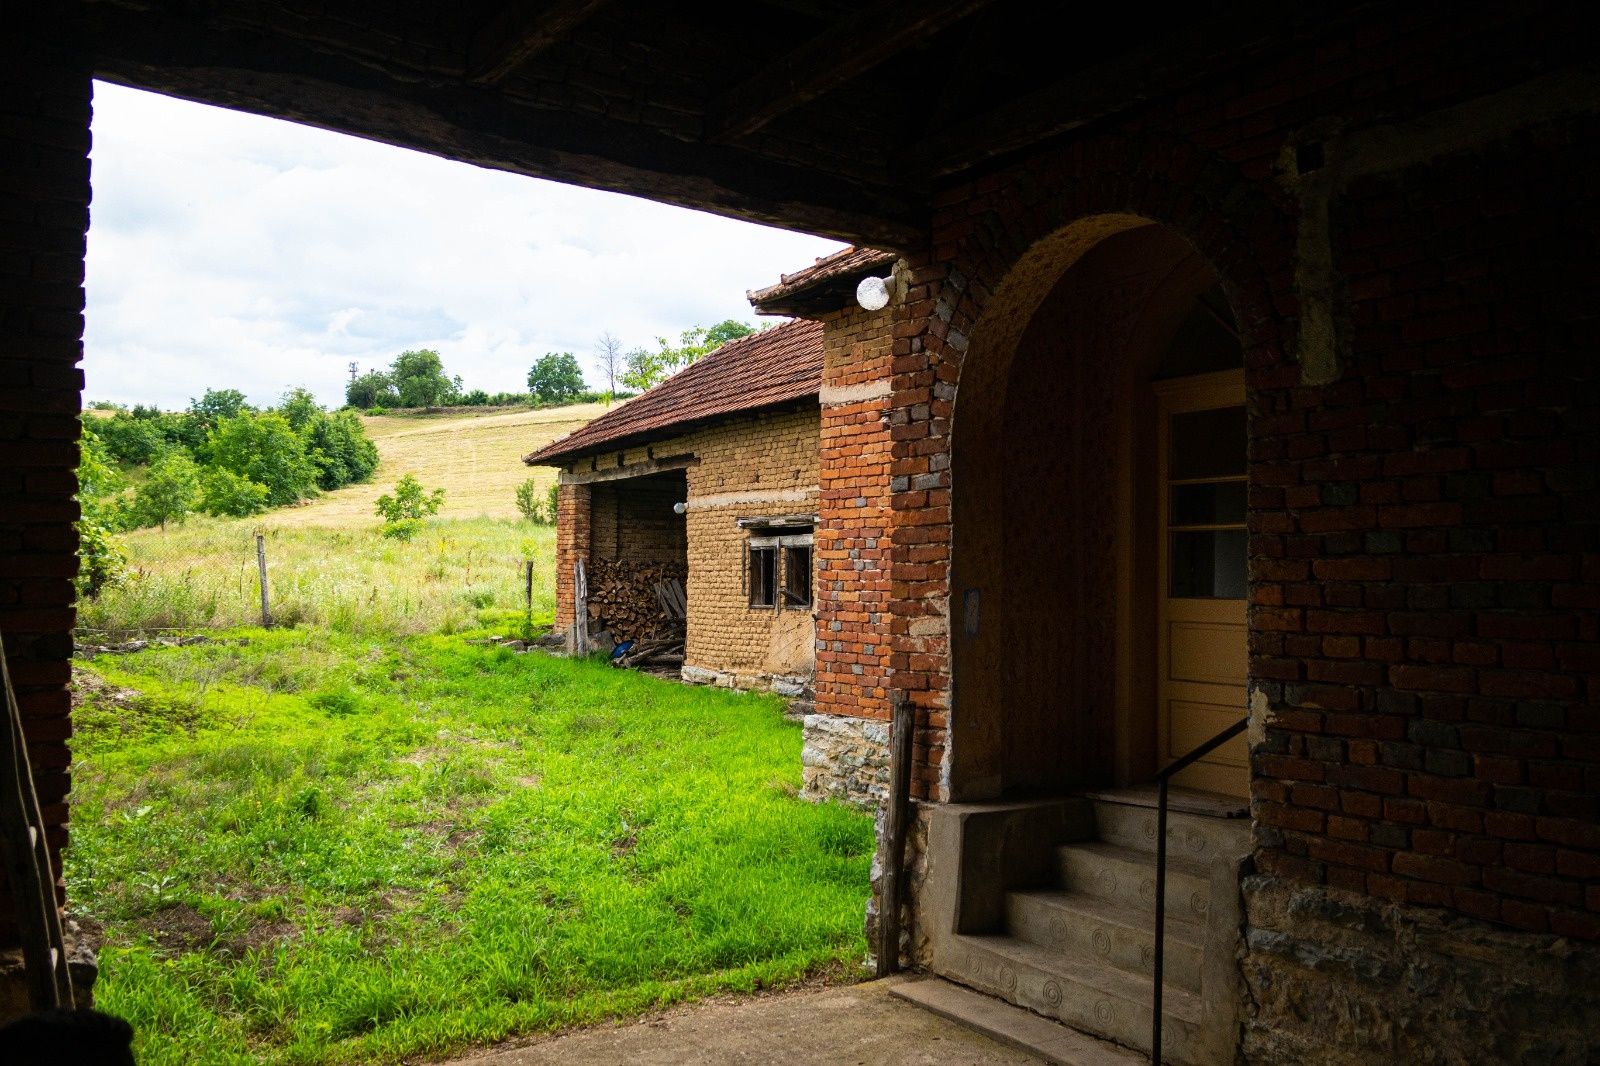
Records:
x=520, y=31
x=248, y=70
x=829, y=61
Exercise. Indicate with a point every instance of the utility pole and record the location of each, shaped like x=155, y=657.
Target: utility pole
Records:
x=354, y=367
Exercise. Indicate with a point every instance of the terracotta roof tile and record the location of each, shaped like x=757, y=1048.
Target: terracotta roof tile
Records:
x=773, y=367
x=841, y=264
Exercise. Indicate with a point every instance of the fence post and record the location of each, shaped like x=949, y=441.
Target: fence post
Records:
x=527, y=598
x=261, y=567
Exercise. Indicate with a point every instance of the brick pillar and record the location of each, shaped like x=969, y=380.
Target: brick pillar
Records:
x=572, y=544
x=44, y=215
x=851, y=556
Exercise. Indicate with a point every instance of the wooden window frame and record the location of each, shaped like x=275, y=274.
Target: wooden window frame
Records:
x=781, y=546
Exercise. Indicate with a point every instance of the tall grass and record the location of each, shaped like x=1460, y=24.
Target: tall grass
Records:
x=202, y=574
x=318, y=847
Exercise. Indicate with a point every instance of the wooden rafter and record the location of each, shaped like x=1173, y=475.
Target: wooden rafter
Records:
x=829, y=61
x=521, y=31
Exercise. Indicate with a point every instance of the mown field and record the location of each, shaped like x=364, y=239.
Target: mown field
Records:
x=370, y=835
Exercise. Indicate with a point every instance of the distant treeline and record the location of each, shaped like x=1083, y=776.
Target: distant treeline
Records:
x=417, y=379
x=145, y=467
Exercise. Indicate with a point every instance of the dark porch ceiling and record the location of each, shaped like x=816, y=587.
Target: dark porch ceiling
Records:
x=839, y=119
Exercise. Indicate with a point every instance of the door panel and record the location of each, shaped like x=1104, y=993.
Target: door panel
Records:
x=1201, y=629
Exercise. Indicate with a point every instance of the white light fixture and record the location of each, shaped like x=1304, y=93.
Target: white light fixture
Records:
x=873, y=293
x=679, y=507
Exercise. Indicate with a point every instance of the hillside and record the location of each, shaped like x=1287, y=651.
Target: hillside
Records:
x=476, y=458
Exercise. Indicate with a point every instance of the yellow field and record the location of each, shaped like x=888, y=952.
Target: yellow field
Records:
x=475, y=458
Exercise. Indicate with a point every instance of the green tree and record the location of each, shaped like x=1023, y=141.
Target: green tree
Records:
x=130, y=440
x=403, y=512
x=375, y=388
x=222, y=492
x=299, y=407
x=410, y=500
x=266, y=449
x=101, y=560
x=537, y=506
x=340, y=449
x=644, y=369
x=170, y=491
x=420, y=380
x=555, y=378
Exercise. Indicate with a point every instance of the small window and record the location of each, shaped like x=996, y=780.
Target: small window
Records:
x=763, y=564
x=777, y=568
x=797, y=575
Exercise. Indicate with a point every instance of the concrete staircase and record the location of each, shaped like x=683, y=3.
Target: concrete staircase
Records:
x=1081, y=950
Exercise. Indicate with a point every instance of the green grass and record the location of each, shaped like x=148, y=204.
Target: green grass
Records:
x=202, y=575
x=328, y=846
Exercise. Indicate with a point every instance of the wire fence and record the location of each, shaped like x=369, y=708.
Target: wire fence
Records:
x=208, y=574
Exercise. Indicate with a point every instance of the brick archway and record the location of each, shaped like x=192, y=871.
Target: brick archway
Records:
x=998, y=247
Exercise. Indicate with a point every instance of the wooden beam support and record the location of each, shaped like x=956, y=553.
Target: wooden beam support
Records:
x=521, y=31
x=620, y=473
x=830, y=60
x=282, y=77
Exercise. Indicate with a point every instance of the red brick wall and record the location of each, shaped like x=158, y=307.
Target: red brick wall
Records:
x=572, y=544
x=1424, y=556
x=852, y=545
x=44, y=214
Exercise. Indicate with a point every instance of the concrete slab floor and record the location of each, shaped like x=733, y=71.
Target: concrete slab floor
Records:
x=844, y=1024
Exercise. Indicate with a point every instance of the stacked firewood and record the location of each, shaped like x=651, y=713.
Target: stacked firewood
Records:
x=622, y=597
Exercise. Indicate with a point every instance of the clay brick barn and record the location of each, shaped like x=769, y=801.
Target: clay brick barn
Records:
x=731, y=443
x=1241, y=367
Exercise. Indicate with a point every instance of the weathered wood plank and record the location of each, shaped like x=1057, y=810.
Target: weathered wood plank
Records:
x=520, y=31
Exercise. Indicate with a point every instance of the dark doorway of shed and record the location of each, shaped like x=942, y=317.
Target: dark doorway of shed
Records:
x=639, y=567
x=1099, y=522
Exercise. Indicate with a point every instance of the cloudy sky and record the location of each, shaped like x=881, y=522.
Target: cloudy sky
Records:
x=228, y=250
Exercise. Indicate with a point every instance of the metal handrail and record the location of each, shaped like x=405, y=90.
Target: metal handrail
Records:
x=1161, y=869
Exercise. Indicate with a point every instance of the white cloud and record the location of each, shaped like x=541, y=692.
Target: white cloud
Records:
x=229, y=250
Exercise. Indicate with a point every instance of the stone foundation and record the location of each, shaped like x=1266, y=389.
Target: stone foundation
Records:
x=783, y=684
x=1336, y=978
x=845, y=759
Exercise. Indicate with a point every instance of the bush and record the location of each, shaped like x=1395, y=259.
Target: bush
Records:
x=403, y=512
x=340, y=449
x=401, y=528
x=170, y=492
x=552, y=503
x=222, y=492
x=266, y=449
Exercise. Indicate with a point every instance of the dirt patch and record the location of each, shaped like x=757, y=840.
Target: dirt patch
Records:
x=623, y=846
x=179, y=929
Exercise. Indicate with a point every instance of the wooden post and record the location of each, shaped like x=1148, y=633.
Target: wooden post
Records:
x=527, y=613
x=896, y=824
x=261, y=568
x=580, y=599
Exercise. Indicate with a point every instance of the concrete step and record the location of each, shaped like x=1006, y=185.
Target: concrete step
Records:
x=1093, y=997
x=1189, y=836
x=1127, y=876
x=1093, y=928
x=1013, y=1026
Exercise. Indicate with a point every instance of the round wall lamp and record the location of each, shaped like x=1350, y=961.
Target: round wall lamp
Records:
x=873, y=293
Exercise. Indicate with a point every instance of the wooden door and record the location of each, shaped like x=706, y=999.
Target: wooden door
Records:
x=1200, y=606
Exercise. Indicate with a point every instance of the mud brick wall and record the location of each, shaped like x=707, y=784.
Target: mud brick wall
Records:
x=44, y=216
x=633, y=520
x=764, y=464
x=1401, y=227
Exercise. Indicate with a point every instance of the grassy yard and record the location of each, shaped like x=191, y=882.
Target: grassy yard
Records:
x=313, y=846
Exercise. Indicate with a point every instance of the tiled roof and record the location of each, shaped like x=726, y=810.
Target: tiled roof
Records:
x=769, y=368
x=845, y=265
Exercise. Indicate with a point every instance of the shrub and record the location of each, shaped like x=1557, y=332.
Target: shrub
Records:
x=222, y=492
x=170, y=492
x=266, y=449
x=340, y=449
x=401, y=528
x=552, y=503
x=410, y=500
